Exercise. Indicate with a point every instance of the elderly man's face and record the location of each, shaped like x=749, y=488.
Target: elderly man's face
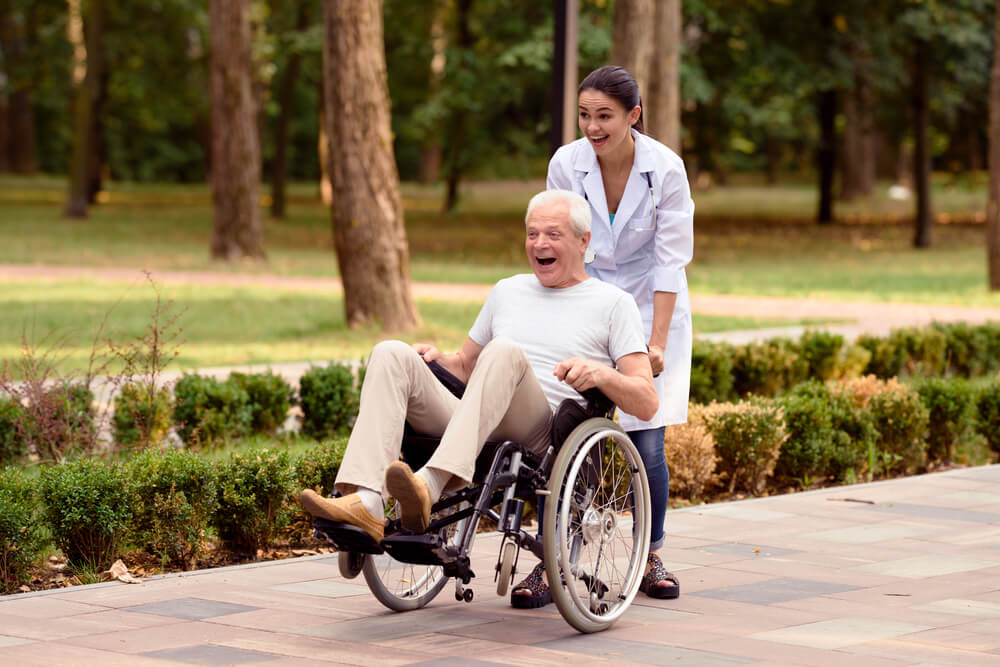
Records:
x=554, y=251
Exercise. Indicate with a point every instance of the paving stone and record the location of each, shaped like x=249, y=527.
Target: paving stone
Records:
x=458, y=662
x=207, y=654
x=646, y=654
x=12, y=641
x=745, y=513
x=776, y=590
x=934, y=512
x=373, y=629
x=964, y=607
x=747, y=550
x=924, y=567
x=327, y=589
x=190, y=609
x=870, y=533
x=839, y=632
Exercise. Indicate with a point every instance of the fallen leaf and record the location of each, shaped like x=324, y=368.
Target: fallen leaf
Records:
x=120, y=572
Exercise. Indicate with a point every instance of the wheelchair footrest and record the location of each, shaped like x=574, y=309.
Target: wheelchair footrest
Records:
x=416, y=549
x=346, y=537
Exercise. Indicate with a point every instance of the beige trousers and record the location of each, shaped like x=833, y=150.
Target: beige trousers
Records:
x=502, y=401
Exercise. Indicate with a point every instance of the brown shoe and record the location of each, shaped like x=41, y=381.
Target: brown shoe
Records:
x=412, y=494
x=347, y=509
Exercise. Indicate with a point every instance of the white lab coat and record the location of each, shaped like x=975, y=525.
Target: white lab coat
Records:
x=642, y=252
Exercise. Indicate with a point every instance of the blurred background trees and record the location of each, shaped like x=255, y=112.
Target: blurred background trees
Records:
x=842, y=94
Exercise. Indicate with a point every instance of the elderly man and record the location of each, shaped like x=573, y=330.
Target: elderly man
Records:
x=540, y=338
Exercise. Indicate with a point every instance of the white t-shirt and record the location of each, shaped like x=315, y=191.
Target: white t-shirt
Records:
x=591, y=320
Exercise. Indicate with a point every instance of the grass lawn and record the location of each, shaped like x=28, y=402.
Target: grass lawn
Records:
x=222, y=325
x=749, y=238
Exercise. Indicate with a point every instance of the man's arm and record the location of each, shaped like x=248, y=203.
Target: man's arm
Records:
x=630, y=386
x=459, y=364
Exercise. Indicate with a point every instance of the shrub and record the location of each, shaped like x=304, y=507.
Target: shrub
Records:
x=925, y=347
x=208, y=411
x=21, y=536
x=690, y=453
x=12, y=447
x=853, y=449
x=253, y=492
x=767, y=368
x=318, y=467
x=711, y=372
x=887, y=356
x=59, y=420
x=329, y=401
x=820, y=351
x=808, y=448
x=175, y=499
x=88, y=506
x=748, y=438
x=142, y=415
x=899, y=417
x=951, y=415
x=851, y=362
x=270, y=397
x=988, y=414
x=967, y=348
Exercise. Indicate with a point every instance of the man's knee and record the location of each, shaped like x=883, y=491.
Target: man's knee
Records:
x=502, y=349
x=391, y=351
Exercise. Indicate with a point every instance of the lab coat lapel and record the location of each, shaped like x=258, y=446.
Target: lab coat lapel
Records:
x=593, y=184
x=635, y=189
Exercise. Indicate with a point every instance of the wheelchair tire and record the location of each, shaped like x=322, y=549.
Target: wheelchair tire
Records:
x=596, y=526
x=403, y=586
x=350, y=563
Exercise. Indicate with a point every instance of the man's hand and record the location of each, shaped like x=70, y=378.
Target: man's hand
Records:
x=581, y=374
x=427, y=351
x=656, y=359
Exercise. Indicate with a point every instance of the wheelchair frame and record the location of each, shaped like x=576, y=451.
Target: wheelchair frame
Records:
x=595, y=480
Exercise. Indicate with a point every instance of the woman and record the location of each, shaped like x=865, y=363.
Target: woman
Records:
x=642, y=240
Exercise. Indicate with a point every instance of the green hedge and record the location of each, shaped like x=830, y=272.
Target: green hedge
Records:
x=207, y=411
x=142, y=415
x=254, y=492
x=22, y=539
x=12, y=447
x=329, y=397
x=269, y=396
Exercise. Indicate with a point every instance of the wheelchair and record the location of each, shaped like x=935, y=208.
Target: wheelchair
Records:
x=595, y=523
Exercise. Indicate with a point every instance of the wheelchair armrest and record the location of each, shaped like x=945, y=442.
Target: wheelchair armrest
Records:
x=597, y=403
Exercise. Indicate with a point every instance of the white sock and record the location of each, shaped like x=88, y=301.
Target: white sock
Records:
x=372, y=500
x=436, y=480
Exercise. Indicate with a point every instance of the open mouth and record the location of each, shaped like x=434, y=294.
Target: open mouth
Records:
x=598, y=141
x=545, y=261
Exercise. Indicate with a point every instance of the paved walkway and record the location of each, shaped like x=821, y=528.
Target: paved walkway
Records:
x=902, y=572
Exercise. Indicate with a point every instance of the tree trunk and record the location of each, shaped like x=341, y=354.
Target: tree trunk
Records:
x=923, y=222
x=368, y=230
x=430, y=150
x=323, y=152
x=236, y=220
x=97, y=156
x=993, y=207
x=4, y=135
x=663, y=108
x=454, y=163
x=286, y=101
x=632, y=38
x=850, y=148
x=85, y=117
x=826, y=154
x=20, y=117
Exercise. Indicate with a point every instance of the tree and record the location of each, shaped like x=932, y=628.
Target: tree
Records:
x=632, y=38
x=15, y=26
x=236, y=220
x=663, y=108
x=368, y=231
x=85, y=111
x=993, y=207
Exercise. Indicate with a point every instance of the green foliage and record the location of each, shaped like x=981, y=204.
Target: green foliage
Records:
x=254, y=490
x=951, y=415
x=925, y=348
x=901, y=420
x=21, y=536
x=329, y=400
x=711, y=372
x=12, y=447
x=176, y=498
x=208, y=411
x=971, y=350
x=853, y=450
x=89, y=508
x=808, y=449
x=270, y=398
x=767, y=368
x=142, y=417
x=748, y=440
x=317, y=468
x=820, y=350
x=887, y=357
x=988, y=414
x=58, y=420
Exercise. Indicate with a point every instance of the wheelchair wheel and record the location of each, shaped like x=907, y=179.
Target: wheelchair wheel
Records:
x=596, y=528
x=405, y=586
x=350, y=563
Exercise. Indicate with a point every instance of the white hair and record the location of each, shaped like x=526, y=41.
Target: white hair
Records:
x=579, y=208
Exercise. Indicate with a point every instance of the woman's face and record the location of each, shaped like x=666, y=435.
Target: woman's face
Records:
x=605, y=122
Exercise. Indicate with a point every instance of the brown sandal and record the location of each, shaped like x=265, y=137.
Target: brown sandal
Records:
x=540, y=593
x=656, y=574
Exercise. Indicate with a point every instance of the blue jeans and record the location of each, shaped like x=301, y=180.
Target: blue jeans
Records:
x=649, y=442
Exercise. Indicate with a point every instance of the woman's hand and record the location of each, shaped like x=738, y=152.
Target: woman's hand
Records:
x=656, y=359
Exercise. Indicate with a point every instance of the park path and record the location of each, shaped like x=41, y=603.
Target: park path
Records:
x=855, y=317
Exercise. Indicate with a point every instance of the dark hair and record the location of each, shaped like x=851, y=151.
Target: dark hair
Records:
x=616, y=82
